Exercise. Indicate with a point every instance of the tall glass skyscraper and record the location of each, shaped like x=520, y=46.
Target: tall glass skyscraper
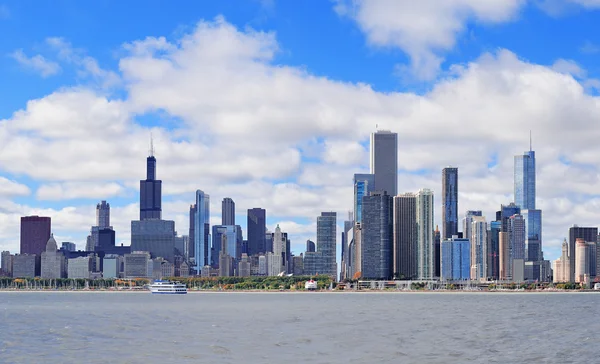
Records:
x=202, y=248
x=256, y=231
x=227, y=211
x=405, y=236
x=384, y=161
x=326, y=242
x=425, y=264
x=449, y=202
x=150, y=191
x=525, y=180
x=376, y=235
x=364, y=184
x=455, y=260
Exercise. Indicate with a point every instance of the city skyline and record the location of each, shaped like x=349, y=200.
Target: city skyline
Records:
x=301, y=161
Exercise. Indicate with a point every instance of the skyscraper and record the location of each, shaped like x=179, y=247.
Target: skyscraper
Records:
x=150, y=191
x=192, y=232
x=449, y=202
x=326, y=241
x=494, y=249
x=35, y=232
x=468, y=219
x=227, y=211
x=478, y=248
x=562, y=266
x=384, y=161
x=376, y=236
x=103, y=215
x=256, y=231
x=425, y=264
x=364, y=184
x=588, y=234
x=455, y=260
x=202, y=248
x=525, y=180
x=405, y=236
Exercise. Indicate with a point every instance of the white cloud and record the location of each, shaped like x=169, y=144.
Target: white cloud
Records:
x=423, y=29
x=74, y=190
x=12, y=188
x=557, y=8
x=281, y=138
x=36, y=63
x=569, y=67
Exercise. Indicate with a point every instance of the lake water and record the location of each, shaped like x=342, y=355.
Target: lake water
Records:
x=137, y=327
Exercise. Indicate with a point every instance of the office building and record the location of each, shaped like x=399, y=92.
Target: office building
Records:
x=111, y=266
x=278, y=257
x=257, y=231
x=478, y=241
x=154, y=236
x=516, y=230
x=244, y=266
x=192, y=233
x=562, y=269
x=227, y=211
x=494, y=249
x=7, y=263
x=425, y=264
x=311, y=246
x=68, y=246
x=298, y=269
x=364, y=184
x=405, y=236
x=35, y=232
x=467, y=222
x=455, y=259
x=234, y=240
x=52, y=261
x=449, y=202
x=23, y=265
x=80, y=267
x=384, y=161
x=377, y=236
x=582, y=263
x=504, y=259
x=225, y=263
x=202, y=244
x=103, y=214
x=326, y=241
x=588, y=234
x=135, y=265
x=524, y=186
x=312, y=263
x=150, y=190
x=437, y=242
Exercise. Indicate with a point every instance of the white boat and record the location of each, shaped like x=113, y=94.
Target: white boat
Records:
x=310, y=285
x=597, y=286
x=167, y=287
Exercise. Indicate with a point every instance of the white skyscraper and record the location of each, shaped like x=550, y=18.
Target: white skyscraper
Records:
x=478, y=240
x=425, y=264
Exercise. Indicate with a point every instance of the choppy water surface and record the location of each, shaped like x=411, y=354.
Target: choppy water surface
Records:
x=80, y=327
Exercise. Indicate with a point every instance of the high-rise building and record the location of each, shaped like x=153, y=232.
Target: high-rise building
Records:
x=150, y=191
x=533, y=235
x=478, y=248
x=384, y=161
x=234, y=240
x=53, y=261
x=575, y=232
x=494, y=249
x=103, y=214
x=449, y=202
x=345, y=253
x=278, y=261
x=311, y=246
x=24, y=265
x=225, y=267
x=425, y=263
x=202, y=248
x=35, y=232
x=7, y=263
x=256, y=231
x=562, y=266
x=364, y=184
x=524, y=186
x=505, y=272
x=506, y=211
x=516, y=231
x=152, y=235
x=437, y=245
x=377, y=236
x=68, y=246
x=227, y=211
x=326, y=241
x=405, y=236
x=582, y=263
x=192, y=232
x=455, y=259
x=136, y=265
x=467, y=222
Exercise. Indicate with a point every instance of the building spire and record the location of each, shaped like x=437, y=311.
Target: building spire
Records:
x=530, y=147
x=151, y=146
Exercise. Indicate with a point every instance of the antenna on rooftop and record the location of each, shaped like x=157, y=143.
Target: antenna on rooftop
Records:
x=530, y=147
x=151, y=146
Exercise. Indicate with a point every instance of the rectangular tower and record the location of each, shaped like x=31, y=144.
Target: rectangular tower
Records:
x=256, y=231
x=449, y=202
x=425, y=263
x=227, y=211
x=376, y=236
x=405, y=236
x=588, y=234
x=326, y=241
x=364, y=184
x=150, y=192
x=384, y=161
x=35, y=232
x=202, y=248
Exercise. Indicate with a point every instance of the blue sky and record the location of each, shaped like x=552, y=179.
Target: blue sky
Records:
x=271, y=103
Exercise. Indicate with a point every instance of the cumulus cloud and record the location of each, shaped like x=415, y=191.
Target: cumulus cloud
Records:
x=425, y=29
x=75, y=190
x=569, y=67
x=280, y=138
x=37, y=63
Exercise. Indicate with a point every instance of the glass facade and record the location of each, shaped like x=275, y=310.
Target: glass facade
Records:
x=449, y=202
x=234, y=241
x=424, y=209
x=364, y=184
x=376, y=236
x=384, y=161
x=326, y=241
x=533, y=234
x=202, y=249
x=525, y=180
x=257, y=231
x=456, y=259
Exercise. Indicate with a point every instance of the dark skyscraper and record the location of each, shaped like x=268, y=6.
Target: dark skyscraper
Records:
x=405, y=236
x=192, y=232
x=310, y=246
x=437, y=252
x=227, y=211
x=150, y=191
x=449, y=202
x=256, y=231
x=377, y=240
x=589, y=234
x=103, y=214
x=384, y=161
x=326, y=241
x=35, y=233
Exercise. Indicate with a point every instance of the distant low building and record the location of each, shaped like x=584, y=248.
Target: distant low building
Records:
x=23, y=265
x=80, y=267
x=244, y=266
x=111, y=266
x=136, y=264
x=455, y=259
x=562, y=266
x=53, y=262
x=7, y=263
